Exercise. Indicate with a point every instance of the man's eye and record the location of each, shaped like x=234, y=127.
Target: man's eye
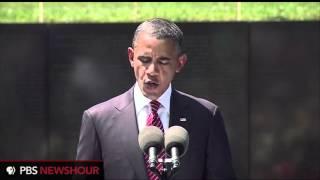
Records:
x=145, y=60
x=164, y=61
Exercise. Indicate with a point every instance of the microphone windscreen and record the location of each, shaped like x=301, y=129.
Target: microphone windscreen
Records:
x=150, y=136
x=176, y=136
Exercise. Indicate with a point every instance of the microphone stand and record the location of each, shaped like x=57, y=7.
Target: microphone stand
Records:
x=168, y=169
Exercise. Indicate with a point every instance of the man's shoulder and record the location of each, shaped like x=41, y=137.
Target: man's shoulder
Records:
x=211, y=106
x=111, y=104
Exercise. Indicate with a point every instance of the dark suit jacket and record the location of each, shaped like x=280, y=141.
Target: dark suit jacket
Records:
x=109, y=132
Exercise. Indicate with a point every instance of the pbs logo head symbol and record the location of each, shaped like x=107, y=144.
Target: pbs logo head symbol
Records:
x=11, y=170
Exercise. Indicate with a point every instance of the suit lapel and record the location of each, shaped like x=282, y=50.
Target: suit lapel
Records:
x=179, y=115
x=129, y=134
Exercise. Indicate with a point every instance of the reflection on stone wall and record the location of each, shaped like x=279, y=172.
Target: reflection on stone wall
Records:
x=284, y=90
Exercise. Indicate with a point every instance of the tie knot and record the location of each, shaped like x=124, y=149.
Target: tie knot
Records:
x=154, y=105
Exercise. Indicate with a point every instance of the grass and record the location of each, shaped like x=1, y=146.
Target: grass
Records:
x=52, y=12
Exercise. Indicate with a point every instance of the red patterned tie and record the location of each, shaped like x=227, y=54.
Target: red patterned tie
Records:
x=154, y=120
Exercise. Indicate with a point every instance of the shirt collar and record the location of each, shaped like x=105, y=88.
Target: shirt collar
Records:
x=164, y=99
x=141, y=101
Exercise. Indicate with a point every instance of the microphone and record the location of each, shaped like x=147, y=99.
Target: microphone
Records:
x=176, y=141
x=151, y=142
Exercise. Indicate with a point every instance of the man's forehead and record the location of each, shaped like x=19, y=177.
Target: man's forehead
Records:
x=145, y=35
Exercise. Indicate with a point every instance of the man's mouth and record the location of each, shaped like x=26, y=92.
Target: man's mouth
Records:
x=151, y=84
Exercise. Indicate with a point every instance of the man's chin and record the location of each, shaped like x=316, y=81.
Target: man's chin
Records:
x=151, y=94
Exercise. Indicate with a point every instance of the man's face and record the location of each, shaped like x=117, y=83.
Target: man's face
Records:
x=155, y=62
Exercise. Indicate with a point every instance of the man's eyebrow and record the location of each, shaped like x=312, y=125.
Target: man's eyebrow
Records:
x=164, y=58
x=143, y=56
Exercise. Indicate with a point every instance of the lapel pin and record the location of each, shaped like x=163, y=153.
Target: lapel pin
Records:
x=183, y=119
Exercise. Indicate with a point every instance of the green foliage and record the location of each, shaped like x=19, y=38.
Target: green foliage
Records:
x=101, y=12
x=18, y=12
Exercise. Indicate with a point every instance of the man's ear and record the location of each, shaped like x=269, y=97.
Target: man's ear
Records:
x=182, y=60
x=130, y=55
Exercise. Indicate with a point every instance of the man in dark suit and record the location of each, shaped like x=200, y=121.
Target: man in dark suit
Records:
x=109, y=130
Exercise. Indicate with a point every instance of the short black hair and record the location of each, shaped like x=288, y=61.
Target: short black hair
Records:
x=161, y=29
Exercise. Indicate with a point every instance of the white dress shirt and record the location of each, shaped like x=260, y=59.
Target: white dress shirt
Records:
x=143, y=108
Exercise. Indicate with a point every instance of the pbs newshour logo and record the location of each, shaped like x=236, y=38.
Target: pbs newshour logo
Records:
x=22, y=170
x=11, y=170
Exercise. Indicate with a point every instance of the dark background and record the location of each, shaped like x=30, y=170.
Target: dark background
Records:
x=264, y=76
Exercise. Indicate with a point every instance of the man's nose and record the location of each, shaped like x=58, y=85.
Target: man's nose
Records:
x=153, y=69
